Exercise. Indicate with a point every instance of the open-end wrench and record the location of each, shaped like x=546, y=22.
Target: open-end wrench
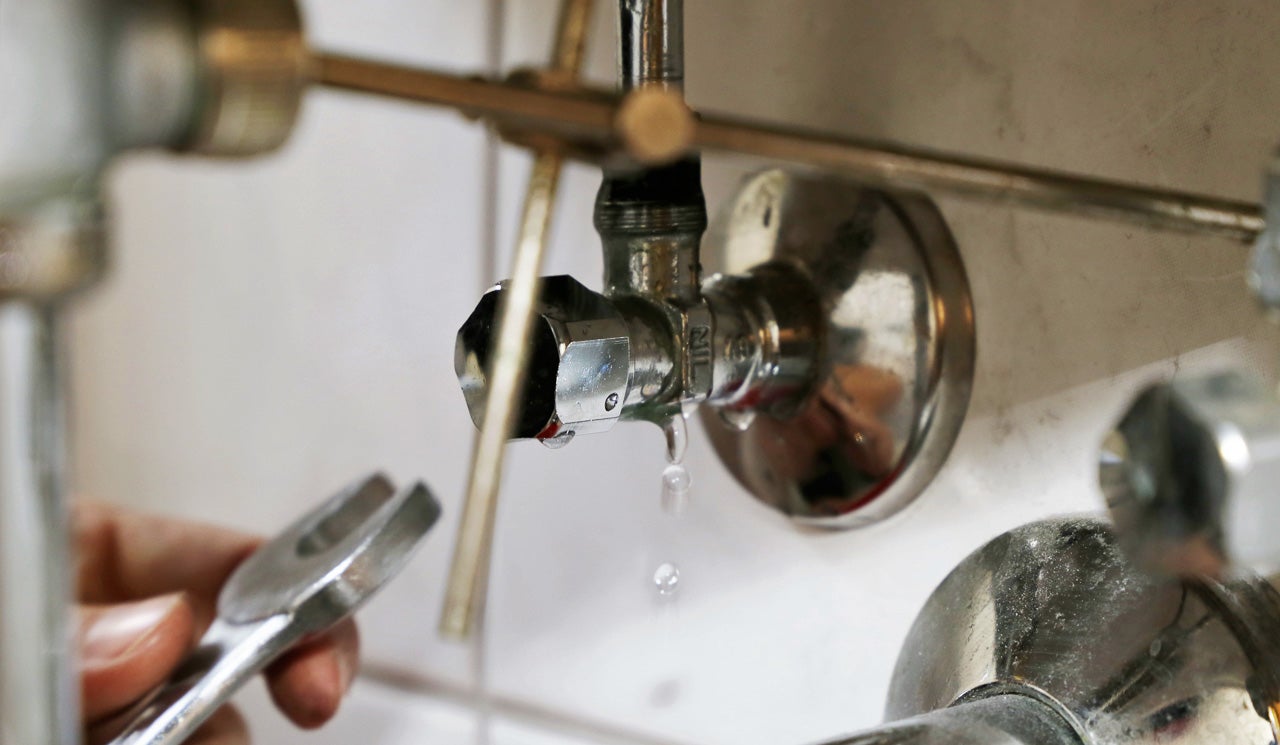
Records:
x=310, y=577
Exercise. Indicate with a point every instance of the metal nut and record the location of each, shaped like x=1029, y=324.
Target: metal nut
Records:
x=254, y=60
x=1192, y=476
x=579, y=365
x=52, y=248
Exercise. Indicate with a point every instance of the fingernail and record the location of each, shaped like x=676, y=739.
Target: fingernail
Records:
x=346, y=671
x=114, y=632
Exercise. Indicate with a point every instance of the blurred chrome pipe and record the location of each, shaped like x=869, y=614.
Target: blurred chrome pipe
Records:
x=84, y=81
x=651, y=43
x=59, y=133
x=39, y=693
x=1005, y=719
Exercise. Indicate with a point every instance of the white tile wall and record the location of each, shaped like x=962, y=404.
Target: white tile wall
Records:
x=273, y=330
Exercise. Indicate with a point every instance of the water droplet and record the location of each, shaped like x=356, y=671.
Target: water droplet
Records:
x=611, y=402
x=675, y=489
x=677, y=434
x=739, y=420
x=676, y=478
x=559, y=441
x=667, y=579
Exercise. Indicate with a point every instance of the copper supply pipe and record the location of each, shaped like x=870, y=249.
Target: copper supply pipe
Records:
x=590, y=121
x=468, y=573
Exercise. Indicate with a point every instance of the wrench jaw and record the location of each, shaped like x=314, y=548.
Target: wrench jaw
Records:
x=285, y=573
x=378, y=557
x=314, y=574
x=331, y=559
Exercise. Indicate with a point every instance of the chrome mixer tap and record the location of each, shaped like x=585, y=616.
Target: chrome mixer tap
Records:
x=1049, y=634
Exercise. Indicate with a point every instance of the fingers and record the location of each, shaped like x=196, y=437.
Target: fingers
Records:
x=875, y=389
x=126, y=650
x=309, y=682
x=226, y=727
x=125, y=556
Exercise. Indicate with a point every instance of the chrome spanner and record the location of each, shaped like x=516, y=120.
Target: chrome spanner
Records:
x=310, y=577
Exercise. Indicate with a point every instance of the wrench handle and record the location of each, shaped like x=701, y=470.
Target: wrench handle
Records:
x=227, y=656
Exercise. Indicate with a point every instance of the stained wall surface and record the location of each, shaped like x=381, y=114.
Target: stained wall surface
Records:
x=273, y=330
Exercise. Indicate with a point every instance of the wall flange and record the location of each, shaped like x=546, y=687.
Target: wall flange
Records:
x=895, y=347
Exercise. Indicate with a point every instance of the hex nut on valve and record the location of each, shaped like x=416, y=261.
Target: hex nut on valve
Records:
x=1192, y=476
x=579, y=364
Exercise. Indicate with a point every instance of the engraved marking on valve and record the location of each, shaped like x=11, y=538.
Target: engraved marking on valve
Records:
x=700, y=345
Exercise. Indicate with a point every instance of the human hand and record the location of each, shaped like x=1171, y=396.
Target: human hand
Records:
x=148, y=589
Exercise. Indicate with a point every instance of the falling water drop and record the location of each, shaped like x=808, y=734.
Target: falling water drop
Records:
x=675, y=489
x=677, y=434
x=675, y=495
x=666, y=579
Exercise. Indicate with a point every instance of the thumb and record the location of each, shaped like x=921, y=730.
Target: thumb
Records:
x=130, y=648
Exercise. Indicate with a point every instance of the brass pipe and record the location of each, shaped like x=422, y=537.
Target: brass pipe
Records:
x=590, y=121
x=468, y=573
x=891, y=165
x=564, y=113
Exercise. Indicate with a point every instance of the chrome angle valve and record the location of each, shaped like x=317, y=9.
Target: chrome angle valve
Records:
x=832, y=359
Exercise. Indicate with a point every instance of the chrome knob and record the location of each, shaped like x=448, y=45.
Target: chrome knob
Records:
x=580, y=362
x=1192, y=476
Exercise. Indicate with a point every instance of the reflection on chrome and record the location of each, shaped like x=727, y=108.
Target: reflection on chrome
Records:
x=881, y=408
x=1055, y=612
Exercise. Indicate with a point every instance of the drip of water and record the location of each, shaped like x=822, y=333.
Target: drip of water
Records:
x=675, y=495
x=559, y=441
x=675, y=489
x=677, y=434
x=666, y=579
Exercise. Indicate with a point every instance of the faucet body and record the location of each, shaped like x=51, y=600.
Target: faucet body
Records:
x=657, y=340
x=833, y=364
x=1055, y=613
